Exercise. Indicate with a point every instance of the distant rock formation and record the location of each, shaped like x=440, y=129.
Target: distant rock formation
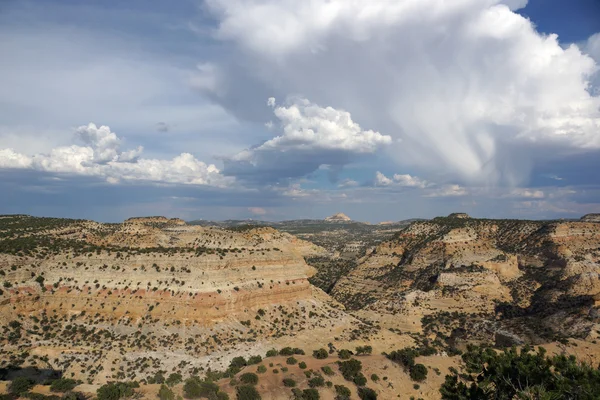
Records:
x=591, y=218
x=155, y=220
x=459, y=215
x=339, y=217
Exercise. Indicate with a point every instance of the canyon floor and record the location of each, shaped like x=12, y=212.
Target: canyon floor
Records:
x=153, y=298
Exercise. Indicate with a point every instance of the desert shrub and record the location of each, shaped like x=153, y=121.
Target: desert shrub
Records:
x=174, y=379
x=261, y=369
x=298, y=351
x=286, y=351
x=39, y=396
x=235, y=366
x=272, y=353
x=63, y=385
x=238, y=362
x=195, y=388
x=247, y=392
x=165, y=393
x=291, y=361
x=327, y=370
x=418, y=372
x=360, y=379
x=254, y=360
x=159, y=378
x=524, y=374
x=374, y=377
x=115, y=391
x=366, y=394
x=74, y=396
x=302, y=365
x=404, y=357
x=342, y=392
x=350, y=368
x=310, y=394
x=344, y=354
x=360, y=350
x=20, y=385
x=288, y=382
x=249, y=378
x=320, y=354
x=317, y=381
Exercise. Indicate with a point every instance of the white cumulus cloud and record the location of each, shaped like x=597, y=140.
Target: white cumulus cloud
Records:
x=102, y=157
x=311, y=136
x=405, y=180
x=470, y=86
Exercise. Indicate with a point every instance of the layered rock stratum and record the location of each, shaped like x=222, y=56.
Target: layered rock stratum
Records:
x=98, y=301
x=513, y=276
x=153, y=296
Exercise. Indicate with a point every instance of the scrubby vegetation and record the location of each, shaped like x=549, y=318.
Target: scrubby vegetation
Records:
x=524, y=374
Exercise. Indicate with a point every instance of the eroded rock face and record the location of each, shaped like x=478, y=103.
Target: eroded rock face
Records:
x=591, y=218
x=153, y=286
x=471, y=266
x=459, y=215
x=339, y=217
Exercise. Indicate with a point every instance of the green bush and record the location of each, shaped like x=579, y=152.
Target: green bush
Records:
x=317, y=381
x=261, y=369
x=63, y=385
x=195, y=388
x=286, y=351
x=288, y=382
x=291, y=361
x=74, y=396
x=20, y=385
x=344, y=354
x=238, y=362
x=524, y=375
x=366, y=394
x=254, y=360
x=37, y=396
x=302, y=365
x=115, y=391
x=247, y=392
x=310, y=394
x=374, y=377
x=272, y=353
x=404, y=357
x=327, y=370
x=174, y=379
x=360, y=379
x=164, y=393
x=249, y=378
x=361, y=350
x=320, y=354
x=350, y=368
x=342, y=392
x=418, y=372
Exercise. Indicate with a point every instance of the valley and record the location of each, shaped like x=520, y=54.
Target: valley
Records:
x=207, y=304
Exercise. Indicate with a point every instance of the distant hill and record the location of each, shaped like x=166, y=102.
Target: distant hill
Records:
x=339, y=217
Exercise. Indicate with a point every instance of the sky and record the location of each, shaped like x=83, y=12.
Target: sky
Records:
x=283, y=109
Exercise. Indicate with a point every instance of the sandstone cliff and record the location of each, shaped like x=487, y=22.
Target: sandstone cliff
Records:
x=498, y=268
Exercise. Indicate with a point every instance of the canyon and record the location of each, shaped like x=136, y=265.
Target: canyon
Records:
x=153, y=296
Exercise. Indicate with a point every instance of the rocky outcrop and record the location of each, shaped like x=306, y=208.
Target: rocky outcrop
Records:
x=459, y=215
x=339, y=217
x=471, y=265
x=190, y=295
x=591, y=218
